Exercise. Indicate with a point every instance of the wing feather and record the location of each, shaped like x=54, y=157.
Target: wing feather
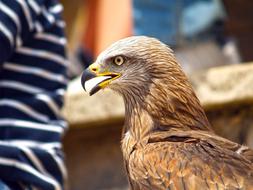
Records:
x=188, y=166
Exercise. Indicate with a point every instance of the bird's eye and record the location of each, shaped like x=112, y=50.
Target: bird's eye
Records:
x=118, y=60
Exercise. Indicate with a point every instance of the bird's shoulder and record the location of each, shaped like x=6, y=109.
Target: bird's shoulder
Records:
x=189, y=160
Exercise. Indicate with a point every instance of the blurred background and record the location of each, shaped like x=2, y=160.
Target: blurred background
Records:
x=212, y=40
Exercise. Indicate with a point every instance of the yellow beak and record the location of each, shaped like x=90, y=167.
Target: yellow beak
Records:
x=92, y=81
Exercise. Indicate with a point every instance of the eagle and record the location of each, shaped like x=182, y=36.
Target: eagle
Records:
x=167, y=141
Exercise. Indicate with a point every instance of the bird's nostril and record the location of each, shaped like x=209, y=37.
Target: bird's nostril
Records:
x=94, y=69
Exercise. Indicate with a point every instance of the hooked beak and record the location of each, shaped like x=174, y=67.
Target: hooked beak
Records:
x=92, y=81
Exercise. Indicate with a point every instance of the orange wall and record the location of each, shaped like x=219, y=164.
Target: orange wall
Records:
x=108, y=21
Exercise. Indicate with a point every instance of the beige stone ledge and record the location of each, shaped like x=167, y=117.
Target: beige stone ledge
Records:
x=228, y=85
x=82, y=109
x=216, y=87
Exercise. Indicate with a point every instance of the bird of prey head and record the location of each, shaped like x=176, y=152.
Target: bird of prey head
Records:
x=129, y=65
x=143, y=70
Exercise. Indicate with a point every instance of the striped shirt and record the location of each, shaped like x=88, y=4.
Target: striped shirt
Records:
x=32, y=84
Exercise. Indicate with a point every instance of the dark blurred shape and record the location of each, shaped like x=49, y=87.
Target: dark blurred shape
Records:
x=80, y=60
x=240, y=25
x=85, y=56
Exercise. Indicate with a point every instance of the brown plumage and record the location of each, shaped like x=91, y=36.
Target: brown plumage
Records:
x=167, y=141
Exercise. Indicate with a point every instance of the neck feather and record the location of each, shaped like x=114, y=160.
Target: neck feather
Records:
x=138, y=122
x=169, y=103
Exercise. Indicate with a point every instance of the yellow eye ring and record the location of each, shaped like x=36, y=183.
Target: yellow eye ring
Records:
x=118, y=60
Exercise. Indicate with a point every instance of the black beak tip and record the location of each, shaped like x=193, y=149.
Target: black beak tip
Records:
x=86, y=75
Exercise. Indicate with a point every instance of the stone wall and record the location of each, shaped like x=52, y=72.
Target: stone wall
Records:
x=226, y=94
x=92, y=144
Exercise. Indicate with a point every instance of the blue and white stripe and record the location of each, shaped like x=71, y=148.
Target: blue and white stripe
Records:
x=32, y=84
